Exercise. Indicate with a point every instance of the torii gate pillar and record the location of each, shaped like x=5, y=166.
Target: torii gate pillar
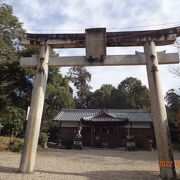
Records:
x=163, y=141
x=34, y=120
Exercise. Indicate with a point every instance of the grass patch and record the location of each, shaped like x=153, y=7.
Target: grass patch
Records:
x=4, y=142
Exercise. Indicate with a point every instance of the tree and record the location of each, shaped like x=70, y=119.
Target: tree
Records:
x=10, y=72
x=9, y=26
x=13, y=122
x=15, y=85
x=80, y=77
x=130, y=94
x=173, y=106
x=58, y=95
x=101, y=97
x=175, y=71
x=173, y=100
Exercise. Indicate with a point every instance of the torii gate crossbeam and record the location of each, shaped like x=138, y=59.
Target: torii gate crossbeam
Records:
x=113, y=39
x=96, y=41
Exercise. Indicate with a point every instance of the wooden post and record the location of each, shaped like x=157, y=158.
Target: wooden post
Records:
x=60, y=131
x=160, y=120
x=92, y=136
x=34, y=120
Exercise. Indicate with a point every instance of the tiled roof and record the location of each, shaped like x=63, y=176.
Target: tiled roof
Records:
x=105, y=116
x=134, y=115
x=104, y=119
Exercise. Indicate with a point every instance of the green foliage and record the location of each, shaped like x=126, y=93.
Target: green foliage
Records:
x=101, y=98
x=53, y=131
x=80, y=77
x=15, y=84
x=173, y=100
x=58, y=95
x=59, y=92
x=16, y=145
x=129, y=94
x=173, y=105
x=10, y=25
x=43, y=139
x=28, y=52
x=142, y=143
x=13, y=121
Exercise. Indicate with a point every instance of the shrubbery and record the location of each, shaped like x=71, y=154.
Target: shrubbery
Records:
x=142, y=143
x=16, y=145
x=43, y=139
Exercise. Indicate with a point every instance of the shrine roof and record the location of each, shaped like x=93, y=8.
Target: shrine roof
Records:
x=133, y=115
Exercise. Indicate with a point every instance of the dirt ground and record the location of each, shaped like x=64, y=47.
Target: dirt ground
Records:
x=86, y=164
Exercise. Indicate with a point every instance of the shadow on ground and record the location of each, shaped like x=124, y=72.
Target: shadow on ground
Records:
x=113, y=175
x=92, y=175
x=8, y=169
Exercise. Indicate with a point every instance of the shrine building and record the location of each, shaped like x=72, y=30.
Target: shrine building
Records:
x=106, y=128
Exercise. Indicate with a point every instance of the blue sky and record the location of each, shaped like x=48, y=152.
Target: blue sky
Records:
x=65, y=16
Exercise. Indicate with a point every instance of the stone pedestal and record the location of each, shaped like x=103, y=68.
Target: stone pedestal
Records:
x=131, y=144
x=77, y=140
x=77, y=143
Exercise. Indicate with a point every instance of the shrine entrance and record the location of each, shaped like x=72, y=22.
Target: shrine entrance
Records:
x=95, y=41
x=106, y=130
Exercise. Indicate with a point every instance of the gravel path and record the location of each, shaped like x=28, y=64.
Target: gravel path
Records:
x=88, y=164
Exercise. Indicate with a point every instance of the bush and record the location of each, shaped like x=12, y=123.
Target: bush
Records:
x=16, y=145
x=13, y=122
x=53, y=132
x=142, y=143
x=43, y=139
x=4, y=142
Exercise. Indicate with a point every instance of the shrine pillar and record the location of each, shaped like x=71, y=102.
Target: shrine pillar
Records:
x=160, y=121
x=92, y=136
x=34, y=120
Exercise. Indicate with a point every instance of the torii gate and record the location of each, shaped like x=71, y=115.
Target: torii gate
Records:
x=95, y=41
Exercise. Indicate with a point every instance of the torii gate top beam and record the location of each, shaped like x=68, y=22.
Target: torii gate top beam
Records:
x=113, y=39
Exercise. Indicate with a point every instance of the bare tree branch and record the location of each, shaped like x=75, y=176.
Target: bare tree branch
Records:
x=175, y=71
x=7, y=83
